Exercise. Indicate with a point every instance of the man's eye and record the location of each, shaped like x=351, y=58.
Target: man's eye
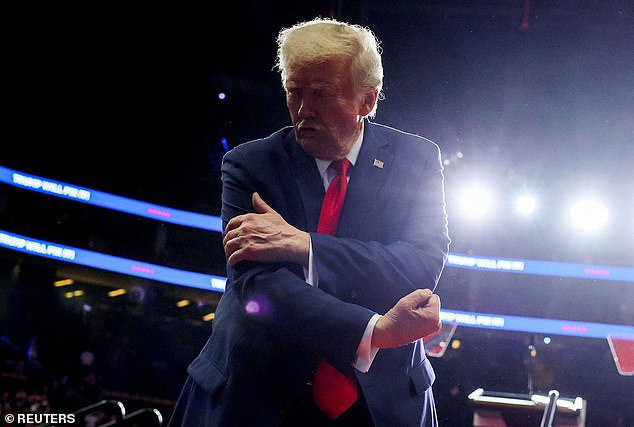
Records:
x=326, y=93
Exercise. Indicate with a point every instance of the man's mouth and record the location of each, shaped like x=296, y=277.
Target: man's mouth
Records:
x=306, y=131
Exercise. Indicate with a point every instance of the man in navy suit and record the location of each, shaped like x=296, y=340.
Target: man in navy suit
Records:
x=360, y=299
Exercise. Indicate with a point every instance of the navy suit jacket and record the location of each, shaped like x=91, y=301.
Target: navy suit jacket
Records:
x=271, y=327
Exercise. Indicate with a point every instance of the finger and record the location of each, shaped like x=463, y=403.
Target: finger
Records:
x=432, y=302
x=234, y=258
x=230, y=235
x=231, y=245
x=240, y=254
x=235, y=251
x=233, y=223
x=418, y=297
x=423, y=293
x=260, y=205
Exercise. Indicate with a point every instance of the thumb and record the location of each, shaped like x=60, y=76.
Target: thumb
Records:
x=260, y=205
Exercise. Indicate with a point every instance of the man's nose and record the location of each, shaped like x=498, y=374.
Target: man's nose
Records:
x=306, y=107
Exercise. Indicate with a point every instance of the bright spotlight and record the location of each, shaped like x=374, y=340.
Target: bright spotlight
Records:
x=476, y=201
x=589, y=215
x=525, y=205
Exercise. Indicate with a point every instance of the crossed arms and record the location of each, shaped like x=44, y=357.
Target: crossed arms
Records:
x=265, y=236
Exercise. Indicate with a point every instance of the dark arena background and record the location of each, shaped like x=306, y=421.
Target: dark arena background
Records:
x=116, y=119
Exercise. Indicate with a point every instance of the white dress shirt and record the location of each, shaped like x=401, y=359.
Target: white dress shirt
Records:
x=365, y=351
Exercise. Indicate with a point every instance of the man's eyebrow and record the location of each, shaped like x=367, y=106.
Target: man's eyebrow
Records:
x=315, y=85
x=328, y=87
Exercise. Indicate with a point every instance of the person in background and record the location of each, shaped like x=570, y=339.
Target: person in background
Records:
x=336, y=236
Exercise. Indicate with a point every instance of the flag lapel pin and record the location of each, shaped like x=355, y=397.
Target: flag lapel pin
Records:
x=378, y=164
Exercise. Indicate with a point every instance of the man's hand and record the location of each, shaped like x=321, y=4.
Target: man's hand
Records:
x=264, y=236
x=414, y=316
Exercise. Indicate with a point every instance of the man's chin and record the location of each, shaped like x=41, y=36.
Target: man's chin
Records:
x=312, y=146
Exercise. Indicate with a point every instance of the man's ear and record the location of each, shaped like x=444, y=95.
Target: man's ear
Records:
x=369, y=101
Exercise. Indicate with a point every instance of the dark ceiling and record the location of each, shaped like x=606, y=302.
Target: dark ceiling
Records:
x=123, y=97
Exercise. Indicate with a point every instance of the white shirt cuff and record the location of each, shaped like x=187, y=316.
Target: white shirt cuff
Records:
x=310, y=273
x=365, y=351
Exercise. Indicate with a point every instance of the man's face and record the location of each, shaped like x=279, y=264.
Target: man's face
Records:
x=325, y=108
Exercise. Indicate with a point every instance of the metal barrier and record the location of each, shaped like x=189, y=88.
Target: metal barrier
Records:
x=551, y=409
x=118, y=407
x=150, y=418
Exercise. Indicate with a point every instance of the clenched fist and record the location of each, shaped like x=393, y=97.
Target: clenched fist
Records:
x=414, y=316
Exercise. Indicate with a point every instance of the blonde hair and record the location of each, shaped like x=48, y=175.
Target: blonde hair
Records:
x=322, y=38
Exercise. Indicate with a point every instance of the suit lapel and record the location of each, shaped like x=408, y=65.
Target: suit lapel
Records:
x=309, y=186
x=367, y=181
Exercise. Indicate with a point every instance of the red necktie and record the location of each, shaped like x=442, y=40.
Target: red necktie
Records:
x=333, y=391
x=331, y=206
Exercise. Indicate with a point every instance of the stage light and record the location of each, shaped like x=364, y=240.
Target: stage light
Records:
x=116, y=292
x=547, y=340
x=525, y=205
x=476, y=201
x=533, y=351
x=182, y=303
x=208, y=317
x=225, y=143
x=589, y=215
x=222, y=96
x=452, y=158
x=73, y=294
x=65, y=282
